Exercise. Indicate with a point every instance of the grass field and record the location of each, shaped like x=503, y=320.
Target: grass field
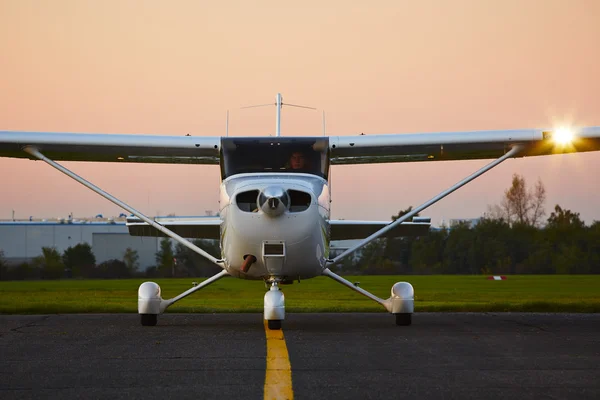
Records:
x=550, y=293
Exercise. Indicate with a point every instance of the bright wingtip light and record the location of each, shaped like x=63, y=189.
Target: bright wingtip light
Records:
x=563, y=136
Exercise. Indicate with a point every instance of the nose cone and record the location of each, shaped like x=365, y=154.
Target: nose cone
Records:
x=273, y=201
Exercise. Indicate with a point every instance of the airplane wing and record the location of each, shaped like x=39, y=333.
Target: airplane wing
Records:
x=366, y=149
x=361, y=149
x=187, y=227
x=347, y=229
x=113, y=148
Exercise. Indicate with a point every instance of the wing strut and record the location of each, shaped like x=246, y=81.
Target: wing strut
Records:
x=34, y=152
x=423, y=206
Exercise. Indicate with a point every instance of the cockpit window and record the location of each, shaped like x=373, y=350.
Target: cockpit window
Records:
x=281, y=154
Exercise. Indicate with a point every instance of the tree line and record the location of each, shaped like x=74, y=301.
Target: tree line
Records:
x=75, y=262
x=564, y=246
x=79, y=261
x=511, y=238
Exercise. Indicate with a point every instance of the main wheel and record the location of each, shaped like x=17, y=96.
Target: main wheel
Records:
x=149, y=319
x=403, y=319
x=274, y=324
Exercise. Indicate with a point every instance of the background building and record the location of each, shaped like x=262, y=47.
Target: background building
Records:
x=23, y=240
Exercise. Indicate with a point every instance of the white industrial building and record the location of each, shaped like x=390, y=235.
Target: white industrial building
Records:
x=23, y=240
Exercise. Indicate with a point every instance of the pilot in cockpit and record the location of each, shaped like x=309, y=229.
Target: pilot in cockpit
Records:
x=297, y=161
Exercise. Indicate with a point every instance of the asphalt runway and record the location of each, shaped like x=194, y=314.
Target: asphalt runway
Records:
x=332, y=356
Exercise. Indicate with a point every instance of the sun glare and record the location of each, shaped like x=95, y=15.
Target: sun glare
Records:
x=563, y=136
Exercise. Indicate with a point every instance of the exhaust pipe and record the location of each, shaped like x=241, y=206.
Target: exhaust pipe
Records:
x=248, y=261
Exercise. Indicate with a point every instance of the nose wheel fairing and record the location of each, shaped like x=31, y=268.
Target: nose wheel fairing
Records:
x=274, y=307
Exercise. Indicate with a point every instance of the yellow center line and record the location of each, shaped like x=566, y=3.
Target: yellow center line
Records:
x=278, y=378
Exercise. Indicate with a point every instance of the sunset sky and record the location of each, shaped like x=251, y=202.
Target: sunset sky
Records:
x=176, y=67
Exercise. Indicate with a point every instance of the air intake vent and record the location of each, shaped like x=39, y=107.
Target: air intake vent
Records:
x=246, y=201
x=273, y=249
x=299, y=201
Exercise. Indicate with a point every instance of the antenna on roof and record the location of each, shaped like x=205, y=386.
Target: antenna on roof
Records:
x=324, y=123
x=279, y=104
x=227, y=125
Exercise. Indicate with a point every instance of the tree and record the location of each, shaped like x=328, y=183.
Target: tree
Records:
x=113, y=269
x=522, y=241
x=539, y=260
x=402, y=213
x=427, y=252
x=130, y=258
x=397, y=251
x=2, y=266
x=538, y=198
x=459, y=252
x=371, y=257
x=165, y=259
x=593, y=247
x=560, y=218
x=190, y=263
x=570, y=260
x=568, y=236
x=489, y=246
x=520, y=205
x=151, y=272
x=24, y=271
x=79, y=260
x=50, y=263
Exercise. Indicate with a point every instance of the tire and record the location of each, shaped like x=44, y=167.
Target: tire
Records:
x=149, y=319
x=274, y=324
x=403, y=319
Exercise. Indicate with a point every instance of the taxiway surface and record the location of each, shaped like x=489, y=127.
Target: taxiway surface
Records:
x=332, y=356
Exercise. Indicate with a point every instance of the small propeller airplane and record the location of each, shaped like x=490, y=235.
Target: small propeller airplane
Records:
x=274, y=219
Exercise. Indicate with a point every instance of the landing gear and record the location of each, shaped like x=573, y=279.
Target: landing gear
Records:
x=151, y=303
x=274, y=324
x=149, y=319
x=401, y=302
x=274, y=312
x=403, y=319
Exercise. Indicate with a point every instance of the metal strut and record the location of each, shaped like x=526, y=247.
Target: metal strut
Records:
x=35, y=152
x=386, y=303
x=203, y=284
x=423, y=206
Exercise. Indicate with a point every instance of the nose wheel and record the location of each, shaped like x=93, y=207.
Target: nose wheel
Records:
x=404, y=319
x=274, y=324
x=149, y=319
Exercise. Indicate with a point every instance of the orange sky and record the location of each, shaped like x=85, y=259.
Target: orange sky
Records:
x=376, y=67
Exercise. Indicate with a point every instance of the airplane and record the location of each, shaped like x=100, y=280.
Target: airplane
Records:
x=274, y=210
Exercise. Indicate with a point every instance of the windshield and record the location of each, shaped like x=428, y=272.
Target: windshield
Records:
x=279, y=154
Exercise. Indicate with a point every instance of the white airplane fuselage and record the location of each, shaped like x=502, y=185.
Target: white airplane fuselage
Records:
x=261, y=217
